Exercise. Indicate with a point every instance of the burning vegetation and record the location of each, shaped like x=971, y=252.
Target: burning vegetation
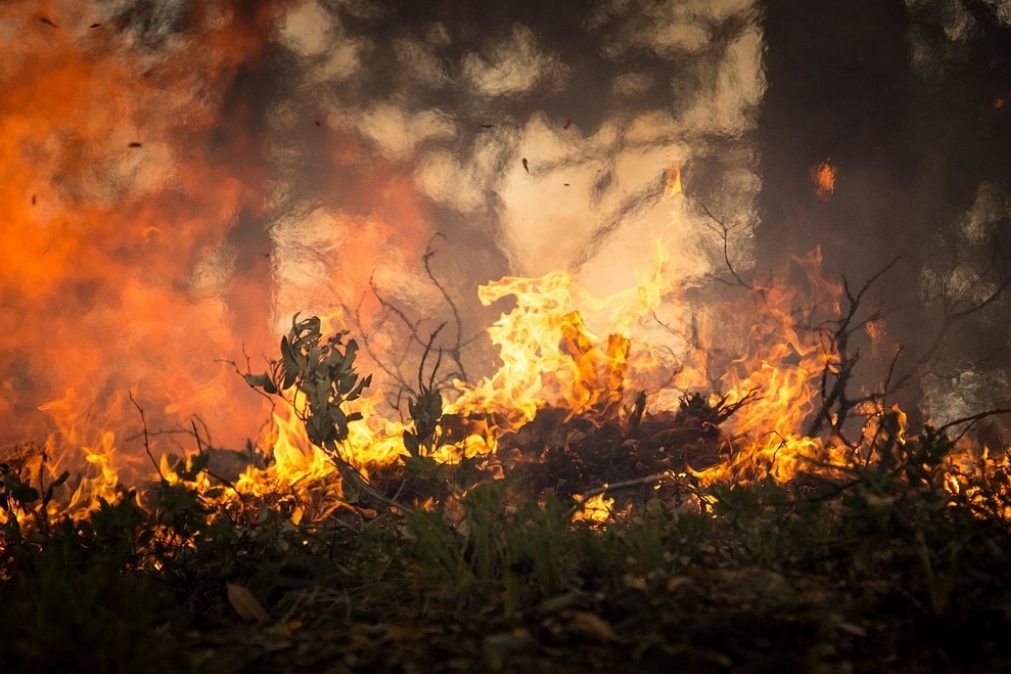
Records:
x=637, y=458
x=715, y=467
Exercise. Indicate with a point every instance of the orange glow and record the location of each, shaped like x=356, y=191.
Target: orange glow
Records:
x=114, y=210
x=124, y=183
x=549, y=354
x=999, y=103
x=596, y=510
x=823, y=176
x=673, y=186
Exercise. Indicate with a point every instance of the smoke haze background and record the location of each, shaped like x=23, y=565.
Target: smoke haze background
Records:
x=182, y=177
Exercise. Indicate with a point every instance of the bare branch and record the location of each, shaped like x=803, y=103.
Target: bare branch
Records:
x=972, y=419
x=455, y=351
x=147, y=444
x=724, y=232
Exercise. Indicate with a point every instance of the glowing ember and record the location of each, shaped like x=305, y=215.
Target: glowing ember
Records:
x=823, y=176
x=999, y=103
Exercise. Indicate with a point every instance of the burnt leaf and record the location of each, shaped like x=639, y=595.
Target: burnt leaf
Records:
x=56, y=484
x=23, y=493
x=262, y=381
x=411, y=443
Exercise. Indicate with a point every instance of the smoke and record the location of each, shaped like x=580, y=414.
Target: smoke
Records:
x=124, y=179
x=911, y=115
x=181, y=177
x=531, y=140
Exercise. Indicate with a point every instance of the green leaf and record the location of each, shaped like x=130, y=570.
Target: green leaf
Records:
x=347, y=383
x=290, y=375
x=357, y=391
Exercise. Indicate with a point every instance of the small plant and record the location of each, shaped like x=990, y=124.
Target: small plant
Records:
x=323, y=373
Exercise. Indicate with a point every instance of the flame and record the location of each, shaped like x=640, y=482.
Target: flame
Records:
x=973, y=474
x=118, y=174
x=823, y=176
x=550, y=357
x=673, y=186
x=119, y=177
x=595, y=510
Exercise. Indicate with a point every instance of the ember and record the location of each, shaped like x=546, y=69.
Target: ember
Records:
x=823, y=176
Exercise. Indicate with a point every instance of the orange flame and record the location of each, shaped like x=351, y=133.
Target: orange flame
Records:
x=673, y=186
x=116, y=225
x=595, y=510
x=823, y=176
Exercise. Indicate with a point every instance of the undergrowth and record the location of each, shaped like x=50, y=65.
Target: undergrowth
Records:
x=882, y=566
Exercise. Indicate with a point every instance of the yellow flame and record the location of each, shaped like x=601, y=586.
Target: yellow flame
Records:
x=597, y=509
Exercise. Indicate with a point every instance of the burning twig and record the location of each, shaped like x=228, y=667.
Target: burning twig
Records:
x=666, y=477
x=835, y=402
x=200, y=450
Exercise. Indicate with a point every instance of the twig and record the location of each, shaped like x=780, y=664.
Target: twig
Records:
x=426, y=260
x=992, y=297
x=147, y=444
x=972, y=419
x=841, y=367
x=635, y=417
x=398, y=312
x=424, y=357
x=200, y=449
x=350, y=472
x=725, y=232
x=617, y=486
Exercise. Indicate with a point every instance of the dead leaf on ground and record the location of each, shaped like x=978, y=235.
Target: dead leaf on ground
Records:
x=591, y=623
x=245, y=604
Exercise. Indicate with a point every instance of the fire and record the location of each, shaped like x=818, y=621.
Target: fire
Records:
x=596, y=509
x=115, y=223
x=114, y=238
x=823, y=176
x=970, y=473
x=673, y=186
x=551, y=357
